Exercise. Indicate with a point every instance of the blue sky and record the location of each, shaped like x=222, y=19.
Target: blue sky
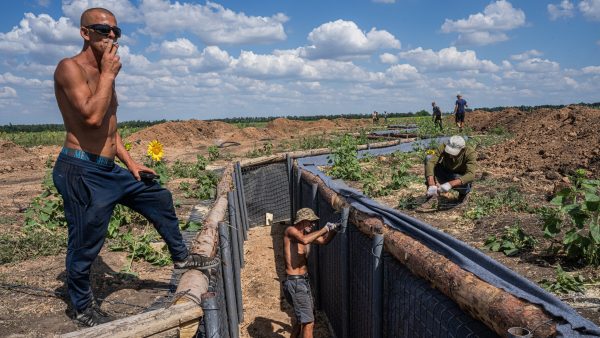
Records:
x=203, y=60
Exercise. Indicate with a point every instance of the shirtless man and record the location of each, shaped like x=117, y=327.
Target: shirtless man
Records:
x=85, y=173
x=296, y=288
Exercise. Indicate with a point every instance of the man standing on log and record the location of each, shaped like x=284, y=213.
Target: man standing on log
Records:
x=296, y=287
x=452, y=166
x=85, y=173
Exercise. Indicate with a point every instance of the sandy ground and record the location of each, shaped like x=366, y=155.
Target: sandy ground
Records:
x=266, y=312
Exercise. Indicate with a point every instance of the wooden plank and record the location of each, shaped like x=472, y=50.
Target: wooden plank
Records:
x=143, y=324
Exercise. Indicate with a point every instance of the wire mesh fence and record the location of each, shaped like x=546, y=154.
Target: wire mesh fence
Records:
x=266, y=190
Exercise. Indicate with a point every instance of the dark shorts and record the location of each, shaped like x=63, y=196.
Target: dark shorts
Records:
x=298, y=294
x=460, y=117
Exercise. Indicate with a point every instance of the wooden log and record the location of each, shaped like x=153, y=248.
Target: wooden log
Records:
x=194, y=284
x=144, y=324
x=498, y=309
x=205, y=243
x=312, y=152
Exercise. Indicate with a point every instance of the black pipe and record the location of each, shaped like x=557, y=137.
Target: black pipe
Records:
x=290, y=171
x=228, y=279
x=235, y=240
x=239, y=228
x=342, y=237
x=212, y=324
x=314, y=250
x=377, y=305
x=240, y=199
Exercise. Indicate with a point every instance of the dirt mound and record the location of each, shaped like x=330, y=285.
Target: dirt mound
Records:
x=9, y=150
x=544, y=139
x=183, y=132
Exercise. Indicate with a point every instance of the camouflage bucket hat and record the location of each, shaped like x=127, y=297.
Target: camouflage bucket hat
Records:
x=305, y=214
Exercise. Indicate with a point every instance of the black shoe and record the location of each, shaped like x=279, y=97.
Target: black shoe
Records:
x=92, y=315
x=195, y=261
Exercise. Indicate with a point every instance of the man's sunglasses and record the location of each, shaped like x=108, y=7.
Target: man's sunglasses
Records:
x=104, y=29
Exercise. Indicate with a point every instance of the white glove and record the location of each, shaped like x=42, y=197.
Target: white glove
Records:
x=332, y=226
x=432, y=190
x=445, y=187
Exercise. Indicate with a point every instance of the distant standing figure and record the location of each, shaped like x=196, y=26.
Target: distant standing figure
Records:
x=296, y=287
x=375, y=117
x=459, y=111
x=385, y=116
x=437, y=115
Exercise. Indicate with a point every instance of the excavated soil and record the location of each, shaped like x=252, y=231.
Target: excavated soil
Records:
x=32, y=292
x=554, y=140
x=546, y=145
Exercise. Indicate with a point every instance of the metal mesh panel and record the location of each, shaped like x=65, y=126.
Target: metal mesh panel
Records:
x=266, y=189
x=333, y=271
x=412, y=308
x=361, y=280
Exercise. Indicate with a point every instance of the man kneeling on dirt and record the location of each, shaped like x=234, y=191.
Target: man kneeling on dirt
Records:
x=452, y=166
x=85, y=174
x=296, y=243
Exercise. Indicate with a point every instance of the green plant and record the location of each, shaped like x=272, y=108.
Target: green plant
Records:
x=513, y=241
x=577, y=212
x=564, y=283
x=267, y=149
x=485, y=205
x=189, y=170
x=213, y=153
x=343, y=158
x=203, y=188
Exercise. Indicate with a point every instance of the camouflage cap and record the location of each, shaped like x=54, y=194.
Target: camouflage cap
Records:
x=305, y=214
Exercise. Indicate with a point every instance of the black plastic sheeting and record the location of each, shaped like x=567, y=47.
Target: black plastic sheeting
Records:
x=394, y=132
x=460, y=253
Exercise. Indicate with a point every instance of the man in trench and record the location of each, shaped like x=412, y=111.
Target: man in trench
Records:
x=451, y=167
x=85, y=173
x=296, y=287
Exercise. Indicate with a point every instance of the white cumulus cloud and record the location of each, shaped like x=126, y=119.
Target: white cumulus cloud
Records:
x=526, y=55
x=343, y=39
x=388, y=58
x=403, y=72
x=123, y=10
x=212, y=23
x=562, y=10
x=211, y=59
x=537, y=65
x=487, y=27
x=9, y=78
x=448, y=59
x=590, y=9
x=7, y=93
x=42, y=38
x=591, y=70
x=179, y=47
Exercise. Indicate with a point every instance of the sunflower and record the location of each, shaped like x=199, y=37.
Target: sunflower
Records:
x=430, y=152
x=155, y=150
